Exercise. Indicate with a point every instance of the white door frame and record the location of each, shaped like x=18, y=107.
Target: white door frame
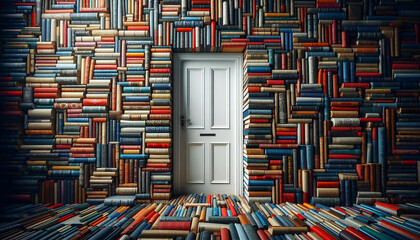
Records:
x=237, y=162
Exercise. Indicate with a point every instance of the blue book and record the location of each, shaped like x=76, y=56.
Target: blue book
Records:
x=302, y=157
x=260, y=182
x=258, y=69
x=82, y=160
x=278, y=151
x=134, y=156
x=346, y=72
x=310, y=156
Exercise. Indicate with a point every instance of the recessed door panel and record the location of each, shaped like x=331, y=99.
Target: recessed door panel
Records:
x=220, y=163
x=220, y=102
x=195, y=96
x=195, y=167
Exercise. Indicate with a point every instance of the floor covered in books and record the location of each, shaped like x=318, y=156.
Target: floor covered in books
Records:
x=210, y=217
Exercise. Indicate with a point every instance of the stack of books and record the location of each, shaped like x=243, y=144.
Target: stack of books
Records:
x=158, y=141
x=102, y=183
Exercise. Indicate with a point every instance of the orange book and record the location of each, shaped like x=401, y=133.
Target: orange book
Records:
x=138, y=28
x=39, y=132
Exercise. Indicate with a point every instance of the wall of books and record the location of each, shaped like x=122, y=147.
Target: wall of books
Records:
x=330, y=96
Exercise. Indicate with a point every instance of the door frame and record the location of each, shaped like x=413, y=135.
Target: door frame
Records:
x=237, y=120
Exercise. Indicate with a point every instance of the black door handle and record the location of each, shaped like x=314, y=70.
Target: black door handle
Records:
x=207, y=134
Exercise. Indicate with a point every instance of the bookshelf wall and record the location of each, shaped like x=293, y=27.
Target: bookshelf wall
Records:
x=331, y=96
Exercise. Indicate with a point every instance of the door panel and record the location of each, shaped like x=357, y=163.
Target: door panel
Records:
x=195, y=168
x=220, y=164
x=195, y=95
x=220, y=89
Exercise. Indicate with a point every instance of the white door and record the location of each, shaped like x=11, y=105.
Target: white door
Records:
x=206, y=124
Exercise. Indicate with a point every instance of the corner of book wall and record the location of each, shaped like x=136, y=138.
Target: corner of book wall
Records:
x=331, y=95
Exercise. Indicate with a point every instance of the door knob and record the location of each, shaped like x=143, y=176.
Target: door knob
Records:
x=183, y=120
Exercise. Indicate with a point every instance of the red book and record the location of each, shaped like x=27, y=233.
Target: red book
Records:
x=232, y=209
x=371, y=119
x=262, y=235
x=258, y=120
x=374, y=133
x=82, y=150
x=138, y=28
x=344, y=156
x=45, y=95
x=158, y=145
x=185, y=29
x=276, y=162
x=405, y=66
x=23, y=4
x=95, y=102
x=368, y=74
x=355, y=85
x=46, y=90
x=105, y=66
x=322, y=233
x=224, y=233
x=199, y=2
x=335, y=108
x=286, y=141
x=254, y=43
x=174, y=225
x=259, y=74
x=63, y=146
x=224, y=212
x=286, y=133
x=160, y=111
x=193, y=40
x=272, y=41
x=275, y=82
x=158, y=165
x=213, y=34
x=358, y=234
x=331, y=184
x=135, y=79
x=200, y=9
x=264, y=177
x=59, y=11
x=390, y=206
x=33, y=19
x=11, y=93
x=288, y=197
x=160, y=70
x=254, y=89
x=399, y=230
